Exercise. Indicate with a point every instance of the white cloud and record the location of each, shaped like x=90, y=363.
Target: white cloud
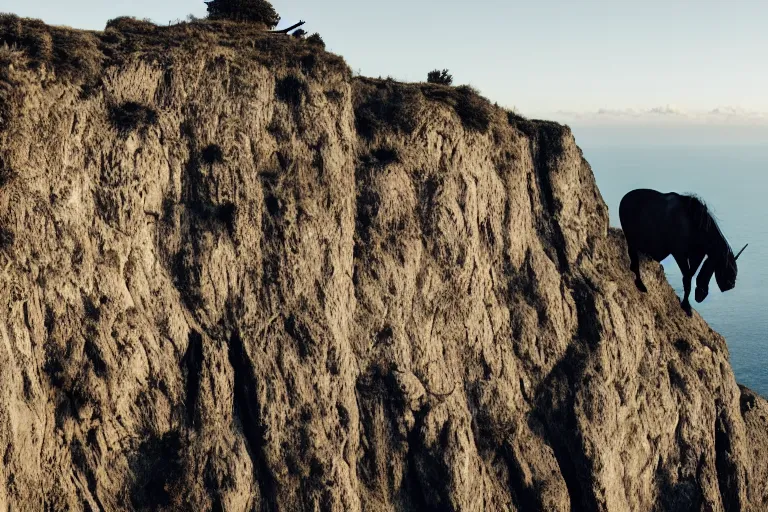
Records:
x=666, y=114
x=737, y=113
x=667, y=110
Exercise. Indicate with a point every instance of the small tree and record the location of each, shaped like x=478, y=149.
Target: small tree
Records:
x=440, y=77
x=316, y=40
x=253, y=11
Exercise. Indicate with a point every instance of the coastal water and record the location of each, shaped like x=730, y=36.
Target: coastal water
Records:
x=733, y=181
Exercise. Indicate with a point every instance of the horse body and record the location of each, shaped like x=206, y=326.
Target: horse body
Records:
x=659, y=224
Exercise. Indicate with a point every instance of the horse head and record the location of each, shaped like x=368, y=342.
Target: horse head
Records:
x=725, y=272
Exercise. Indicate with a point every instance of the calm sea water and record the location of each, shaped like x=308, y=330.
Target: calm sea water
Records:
x=733, y=180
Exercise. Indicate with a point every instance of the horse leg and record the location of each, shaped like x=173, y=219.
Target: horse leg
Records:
x=685, y=268
x=695, y=262
x=634, y=266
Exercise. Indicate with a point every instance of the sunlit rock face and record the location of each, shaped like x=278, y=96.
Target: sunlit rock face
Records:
x=234, y=277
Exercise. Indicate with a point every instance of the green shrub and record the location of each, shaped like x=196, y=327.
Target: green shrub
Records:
x=440, y=77
x=253, y=11
x=315, y=39
x=133, y=25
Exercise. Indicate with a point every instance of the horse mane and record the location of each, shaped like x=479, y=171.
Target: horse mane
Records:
x=699, y=211
x=703, y=217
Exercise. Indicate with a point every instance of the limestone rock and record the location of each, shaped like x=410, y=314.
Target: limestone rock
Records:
x=234, y=277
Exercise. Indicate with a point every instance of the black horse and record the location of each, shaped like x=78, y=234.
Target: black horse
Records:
x=659, y=224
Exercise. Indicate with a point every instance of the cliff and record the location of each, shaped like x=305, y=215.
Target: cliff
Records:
x=234, y=277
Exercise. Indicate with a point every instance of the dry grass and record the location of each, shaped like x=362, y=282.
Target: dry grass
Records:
x=79, y=55
x=11, y=57
x=381, y=104
x=70, y=53
x=127, y=36
x=549, y=133
x=523, y=124
x=386, y=104
x=474, y=111
x=131, y=24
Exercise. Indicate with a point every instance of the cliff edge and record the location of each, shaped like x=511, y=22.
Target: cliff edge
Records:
x=234, y=277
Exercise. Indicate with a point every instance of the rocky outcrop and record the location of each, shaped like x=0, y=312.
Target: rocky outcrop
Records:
x=236, y=278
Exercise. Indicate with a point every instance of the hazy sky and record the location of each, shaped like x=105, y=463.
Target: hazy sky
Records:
x=538, y=56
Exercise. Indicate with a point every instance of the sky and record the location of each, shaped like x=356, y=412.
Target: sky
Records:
x=584, y=61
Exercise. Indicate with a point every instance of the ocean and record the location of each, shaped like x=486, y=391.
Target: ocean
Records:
x=733, y=181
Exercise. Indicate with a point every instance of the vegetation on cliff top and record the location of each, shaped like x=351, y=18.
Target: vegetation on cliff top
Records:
x=440, y=77
x=254, y=11
x=81, y=56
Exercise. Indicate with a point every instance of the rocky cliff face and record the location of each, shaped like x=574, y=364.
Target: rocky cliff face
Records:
x=235, y=278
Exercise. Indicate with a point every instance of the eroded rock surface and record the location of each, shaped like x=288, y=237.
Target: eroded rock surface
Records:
x=235, y=278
